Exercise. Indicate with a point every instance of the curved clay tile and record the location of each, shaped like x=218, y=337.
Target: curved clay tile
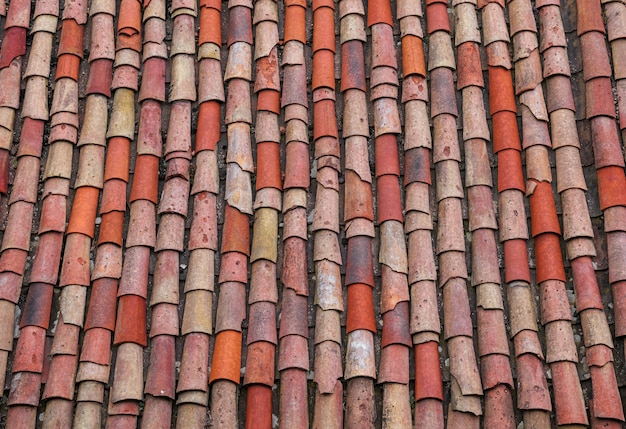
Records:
x=360, y=323
x=329, y=300
x=226, y=361
x=12, y=50
x=493, y=346
x=532, y=390
x=463, y=368
x=46, y=270
x=293, y=362
x=160, y=384
x=261, y=337
x=550, y=275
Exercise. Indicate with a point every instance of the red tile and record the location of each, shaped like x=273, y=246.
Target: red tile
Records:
x=236, y=237
x=60, y=383
x=29, y=353
x=442, y=84
x=437, y=17
x=500, y=83
x=394, y=364
x=259, y=405
x=152, y=82
x=428, y=381
x=131, y=321
x=359, y=265
x=599, y=98
x=516, y=261
x=239, y=25
x=352, y=66
x=260, y=364
x=262, y=323
x=390, y=208
x=160, y=379
x=570, y=405
x=45, y=268
x=293, y=354
x=13, y=45
x=97, y=346
x=292, y=309
x=589, y=17
x=294, y=274
x=360, y=308
x=469, y=68
x=324, y=34
x=379, y=12
x=145, y=179
x=611, y=182
x=396, y=326
x=100, y=77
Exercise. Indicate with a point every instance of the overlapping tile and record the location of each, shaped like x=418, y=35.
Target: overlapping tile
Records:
x=129, y=331
x=23, y=198
x=45, y=270
x=533, y=397
x=393, y=371
x=493, y=347
x=233, y=276
x=327, y=361
x=293, y=362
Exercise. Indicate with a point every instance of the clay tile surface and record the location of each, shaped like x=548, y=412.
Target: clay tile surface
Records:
x=338, y=235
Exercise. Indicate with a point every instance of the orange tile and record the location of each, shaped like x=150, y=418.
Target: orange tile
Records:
x=145, y=179
x=323, y=70
x=549, y=258
x=543, y=215
x=437, y=18
x=236, y=233
x=611, y=185
x=295, y=24
x=210, y=25
x=360, y=308
x=324, y=31
x=72, y=38
x=500, y=83
x=324, y=119
x=226, y=361
x=84, y=208
x=68, y=65
x=510, y=174
x=379, y=12
x=260, y=364
x=413, y=61
x=268, y=100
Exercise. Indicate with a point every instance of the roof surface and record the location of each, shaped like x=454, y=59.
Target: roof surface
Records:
x=365, y=214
